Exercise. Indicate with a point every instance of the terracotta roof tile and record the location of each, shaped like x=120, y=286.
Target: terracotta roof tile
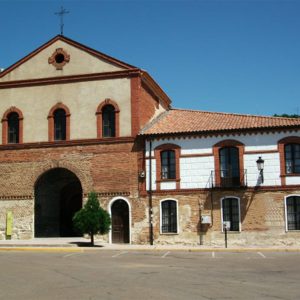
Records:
x=191, y=121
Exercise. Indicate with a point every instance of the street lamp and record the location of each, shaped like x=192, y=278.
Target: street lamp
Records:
x=260, y=167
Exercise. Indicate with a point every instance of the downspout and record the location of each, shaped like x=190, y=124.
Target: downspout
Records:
x=150, y=193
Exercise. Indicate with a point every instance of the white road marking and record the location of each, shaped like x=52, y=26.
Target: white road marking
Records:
x=165, y=254
x=118, y=254
x=71, y=254
x=259, y=253
x=213, y=254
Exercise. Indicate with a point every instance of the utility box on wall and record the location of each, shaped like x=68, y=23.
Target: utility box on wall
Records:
x=206, y=219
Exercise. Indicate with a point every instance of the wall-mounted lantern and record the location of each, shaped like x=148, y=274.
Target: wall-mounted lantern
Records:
x=260, y=166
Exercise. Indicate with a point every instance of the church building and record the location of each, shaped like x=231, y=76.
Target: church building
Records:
x=75, y=120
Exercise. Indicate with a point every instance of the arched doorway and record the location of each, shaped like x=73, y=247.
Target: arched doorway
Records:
x=120, y=221
x=58, y=196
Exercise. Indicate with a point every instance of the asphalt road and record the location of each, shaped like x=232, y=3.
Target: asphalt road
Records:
x=143, y=275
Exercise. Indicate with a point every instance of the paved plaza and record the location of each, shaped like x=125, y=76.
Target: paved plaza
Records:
x=140, y=275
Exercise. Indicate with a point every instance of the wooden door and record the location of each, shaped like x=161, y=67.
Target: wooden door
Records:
x=120, y=222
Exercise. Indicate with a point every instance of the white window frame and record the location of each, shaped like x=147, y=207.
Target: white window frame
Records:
x=239, y=206
x=285, y=212
x=160, y=216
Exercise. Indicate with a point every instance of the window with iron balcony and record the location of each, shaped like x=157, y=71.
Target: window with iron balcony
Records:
x=229, y=161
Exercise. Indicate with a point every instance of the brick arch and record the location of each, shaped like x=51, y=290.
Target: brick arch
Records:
x=100, y=107
x=216, y=152
x=85, y=179
x=5, y=124
x=58, y=105
x=281, y=144
x=157, y=155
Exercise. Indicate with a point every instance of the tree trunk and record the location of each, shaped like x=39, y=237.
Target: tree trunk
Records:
x=92, y=239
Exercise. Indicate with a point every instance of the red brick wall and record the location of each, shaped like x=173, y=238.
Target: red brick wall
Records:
x=103, y=167
x=147, y=108
x=143, y=105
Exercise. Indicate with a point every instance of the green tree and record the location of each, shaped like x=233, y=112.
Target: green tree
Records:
x=92, y=219
x=287, y=116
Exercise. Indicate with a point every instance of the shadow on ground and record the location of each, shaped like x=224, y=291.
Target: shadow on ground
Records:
x=85, y=244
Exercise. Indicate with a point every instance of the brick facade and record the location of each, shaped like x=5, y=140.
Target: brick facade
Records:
x=118, y=168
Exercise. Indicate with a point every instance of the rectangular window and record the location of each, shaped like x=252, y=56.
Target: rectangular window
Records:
x=231, y=213
x=168, y=164
x=292, y=158
x=293, y=213
x=169, y=216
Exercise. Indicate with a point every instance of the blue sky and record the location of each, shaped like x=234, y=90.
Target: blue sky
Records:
x=231, y=56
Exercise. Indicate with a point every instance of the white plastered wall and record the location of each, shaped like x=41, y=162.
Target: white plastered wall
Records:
x=195, y=171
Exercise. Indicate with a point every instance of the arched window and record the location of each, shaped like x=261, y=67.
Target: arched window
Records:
x=13, y=128
x=108, y=121
x=231, y=213
x=292, y=158
x=169, y=216
x=168, y=164
x=292, y=213
x=229, y=166
x=59, y=124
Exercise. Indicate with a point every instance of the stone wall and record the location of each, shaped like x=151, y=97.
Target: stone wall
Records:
x=262, y=218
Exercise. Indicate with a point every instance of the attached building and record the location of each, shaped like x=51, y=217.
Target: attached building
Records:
x=75, y=120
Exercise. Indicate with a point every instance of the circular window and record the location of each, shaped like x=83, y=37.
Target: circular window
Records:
x=59, y=58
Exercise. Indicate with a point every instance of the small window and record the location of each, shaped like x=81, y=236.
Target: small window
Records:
x=59, y=125
x=168, y=164
x=13, y=128
x=108, y=121
x=231, y=213
x=169, y=216
x=293, y=212
x=292, y=158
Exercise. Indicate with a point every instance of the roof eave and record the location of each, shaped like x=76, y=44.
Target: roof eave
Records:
x=223, y=131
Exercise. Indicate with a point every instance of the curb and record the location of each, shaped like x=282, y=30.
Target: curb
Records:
x=40, y=249
x=91, y=249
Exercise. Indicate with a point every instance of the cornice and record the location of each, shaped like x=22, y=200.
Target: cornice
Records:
x=69, y=79
x=271, y=188
x=220, y=133
x=151, y=84
x=56, y=144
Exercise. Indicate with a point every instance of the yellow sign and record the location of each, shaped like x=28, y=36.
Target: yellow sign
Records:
x=9, y=223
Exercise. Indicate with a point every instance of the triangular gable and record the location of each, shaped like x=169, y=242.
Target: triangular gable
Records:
x=79, y=60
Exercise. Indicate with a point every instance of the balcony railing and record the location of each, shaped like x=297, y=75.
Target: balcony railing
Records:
x=228, y=178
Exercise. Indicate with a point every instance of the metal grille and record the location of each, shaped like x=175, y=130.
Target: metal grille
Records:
x=231, y=213
x=293, y=212
x=169, y=216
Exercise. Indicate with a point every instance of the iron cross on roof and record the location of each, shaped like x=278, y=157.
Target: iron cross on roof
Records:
x=61, y=14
